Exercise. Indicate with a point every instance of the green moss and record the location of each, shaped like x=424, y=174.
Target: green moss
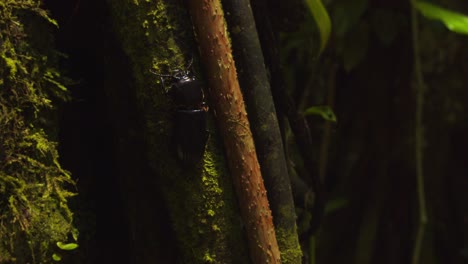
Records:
x=288, y=241
x=11, y=64
x=208, y=258
x=34, y=189
x=208, y=201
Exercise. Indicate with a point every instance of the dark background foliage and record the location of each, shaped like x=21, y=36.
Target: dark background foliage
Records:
x=366, y=159
x=366, y=76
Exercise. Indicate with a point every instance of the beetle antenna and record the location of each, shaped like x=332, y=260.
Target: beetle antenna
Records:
x=190, y=64
x=159, y=74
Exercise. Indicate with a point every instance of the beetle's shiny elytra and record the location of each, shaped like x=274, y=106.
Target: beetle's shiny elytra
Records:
x=190, y=133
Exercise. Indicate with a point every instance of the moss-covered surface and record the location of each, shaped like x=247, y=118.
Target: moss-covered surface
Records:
x=157, y=36
x=291, y=251
x=34, y=189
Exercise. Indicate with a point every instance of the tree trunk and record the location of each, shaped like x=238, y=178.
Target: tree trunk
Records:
x=267, y=136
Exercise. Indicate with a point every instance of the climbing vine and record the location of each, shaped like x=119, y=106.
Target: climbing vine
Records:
x=34, y=189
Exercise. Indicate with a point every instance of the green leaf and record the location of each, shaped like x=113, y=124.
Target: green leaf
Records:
x=69, y=246
x=454, y=21
x=56, y=257
x=322, y=20
x=324, y=111
x=75, y=234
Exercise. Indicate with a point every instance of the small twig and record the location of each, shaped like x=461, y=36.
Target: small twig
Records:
x=419, y=140
x=325, y=145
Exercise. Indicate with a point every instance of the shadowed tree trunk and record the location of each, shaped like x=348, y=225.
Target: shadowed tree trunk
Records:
x=268, y=141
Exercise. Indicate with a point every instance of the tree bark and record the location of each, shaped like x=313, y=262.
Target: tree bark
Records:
x=227, y=101
x=268, y=142
x=285, y=105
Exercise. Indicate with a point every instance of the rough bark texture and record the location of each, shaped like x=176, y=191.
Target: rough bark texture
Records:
x=304, y=142
x=228, y=104
x=285, y=105
x=256, y=88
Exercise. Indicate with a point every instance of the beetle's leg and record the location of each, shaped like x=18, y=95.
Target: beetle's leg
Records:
x=162, y=82
x=204, y=107
x=184, y=72
x=189, y=66
x=161, y=76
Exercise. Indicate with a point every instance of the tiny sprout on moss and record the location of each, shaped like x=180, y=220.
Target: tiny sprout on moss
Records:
x=56, y=257
x=69, y=246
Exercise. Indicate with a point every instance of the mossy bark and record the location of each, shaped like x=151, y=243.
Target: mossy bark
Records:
x=157, y=36
x=256, y=88
x=34, y=189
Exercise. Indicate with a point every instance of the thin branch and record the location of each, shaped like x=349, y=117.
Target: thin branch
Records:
x=419, y=139
x=325, y=145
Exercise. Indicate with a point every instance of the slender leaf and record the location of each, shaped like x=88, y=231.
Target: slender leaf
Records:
x=324, y=111
x=69, y=246
x=56, y=257
x=454, y=21
x=322, y=19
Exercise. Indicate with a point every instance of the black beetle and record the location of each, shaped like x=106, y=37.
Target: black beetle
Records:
x=190, y=133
